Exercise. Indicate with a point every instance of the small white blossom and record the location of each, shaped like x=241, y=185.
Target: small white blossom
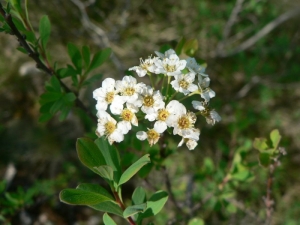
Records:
x=105, y=95
x=184, y=126
x=192, y=64
x=166, y=55
x=130, y=90
x=184, y=83
x=108, y=127
x=190, y=143
x=128, y=117
x=166, y=117
x=210, y=115
x=145, y=66
x=152, y=101
x=170, y=64
x=205, y=92
x=152, y=135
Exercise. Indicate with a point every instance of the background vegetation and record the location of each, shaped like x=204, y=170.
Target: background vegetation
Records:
x=252, y=51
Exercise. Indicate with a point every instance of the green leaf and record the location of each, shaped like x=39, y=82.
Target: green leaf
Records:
x=64, y=113
x=58, y=105
x=109, y=207
x=190, y=47
x=3, y=184
x=134, y=209
x=111, y=156
x=275, y=138
x=96, y=189
x=50, y=97
x=67, y=72
x=105, y=172
x=260, y=144
x=138, y=196
x=93, y=79
x=81, y=197
x=55, y=84
x=69, y=97
x=75, y=56
x=89, y=154
x=264, y=159
x=196, y=221
x=86, y=55
x=241, y=176
x=99, y=58
x=179, y=46
x=155, y=204
x=108, y=220
x=45, y=117
x=16, y=4
x=45, y=30
x=133, y=169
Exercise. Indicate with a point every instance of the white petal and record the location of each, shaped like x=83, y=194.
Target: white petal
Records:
x=117, y=136
x=191, y=144
x=141, y=135
x=198, y=105
x=193, y=87
x=124, y=127
x=160, y=126
x=108, y=84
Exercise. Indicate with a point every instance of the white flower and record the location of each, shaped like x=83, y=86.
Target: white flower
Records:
x=167, y=116
x=170, y=64
x=108, y=127
x=130, y=90
x=145, y=66
x=152, y=135
x=166, y=55
x=105, y=95
x=184, y=126
x=190, y=143
x=152, y=101
x=128, y=117
x=192, y=64
x=210, y=115
x=184, y=83
x=205, y=92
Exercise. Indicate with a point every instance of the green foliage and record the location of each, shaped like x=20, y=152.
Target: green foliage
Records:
x=44, y=30
x=108, y=220
x=54, y=100
x=268, y=151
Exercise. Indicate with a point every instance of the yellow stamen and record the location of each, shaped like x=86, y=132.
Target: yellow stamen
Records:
x=148, y=100
x=127, y=115
x=163, y=114
x=109, y=97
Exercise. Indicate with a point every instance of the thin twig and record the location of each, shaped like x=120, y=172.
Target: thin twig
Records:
x=96, y=33
x=231, y=21
x=39, y=64
x=260, y=34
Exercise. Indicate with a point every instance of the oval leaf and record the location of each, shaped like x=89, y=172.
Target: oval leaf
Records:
x=95, y=188
x=109, y=207
x=134, y=209
x=275, y=138
x=99, y=58
x=139, y=196
x=89, y=154
x=108, y=220
x=75, y=56
x=134, y=168
x=81, y=197
x=155, y=204
x=105, y=172
x=44, y=29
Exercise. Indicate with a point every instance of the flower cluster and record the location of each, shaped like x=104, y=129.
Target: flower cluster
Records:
x=121, y=102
